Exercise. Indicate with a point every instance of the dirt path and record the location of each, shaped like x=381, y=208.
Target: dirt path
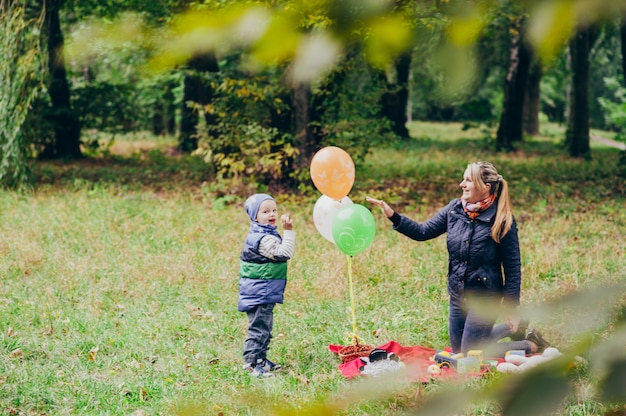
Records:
x=608, y=142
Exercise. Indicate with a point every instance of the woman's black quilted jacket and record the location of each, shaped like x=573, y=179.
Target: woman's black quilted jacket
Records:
x=476, y=262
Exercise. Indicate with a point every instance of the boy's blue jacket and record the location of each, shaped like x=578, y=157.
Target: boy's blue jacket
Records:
x=261, y=279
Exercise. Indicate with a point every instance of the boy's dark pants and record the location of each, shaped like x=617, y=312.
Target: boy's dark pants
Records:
x=260, y=323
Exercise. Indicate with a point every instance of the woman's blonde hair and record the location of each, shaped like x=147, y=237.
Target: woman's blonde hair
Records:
x=483, y=173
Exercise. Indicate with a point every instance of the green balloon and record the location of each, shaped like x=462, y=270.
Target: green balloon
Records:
x=353, y=229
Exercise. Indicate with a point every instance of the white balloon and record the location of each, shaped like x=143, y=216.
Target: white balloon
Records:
x=324, y=212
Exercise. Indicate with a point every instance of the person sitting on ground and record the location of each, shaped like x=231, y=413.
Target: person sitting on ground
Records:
x=484, y=264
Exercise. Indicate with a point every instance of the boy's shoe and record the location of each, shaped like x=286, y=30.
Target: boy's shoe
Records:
x=271, y=366
x=268, y=365
x=260, y=372
x=535, y=337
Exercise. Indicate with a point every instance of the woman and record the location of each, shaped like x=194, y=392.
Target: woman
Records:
x=484, y=261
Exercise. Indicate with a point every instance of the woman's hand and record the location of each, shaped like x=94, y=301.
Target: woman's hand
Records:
x=513, y=323
x=386, y=209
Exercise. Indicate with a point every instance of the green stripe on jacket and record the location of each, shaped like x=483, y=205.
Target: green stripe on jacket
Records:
x=263, y=270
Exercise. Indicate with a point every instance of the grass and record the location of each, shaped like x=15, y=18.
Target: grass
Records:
x=119, y=283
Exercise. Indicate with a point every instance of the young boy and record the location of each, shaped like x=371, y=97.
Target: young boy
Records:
x=262, y=278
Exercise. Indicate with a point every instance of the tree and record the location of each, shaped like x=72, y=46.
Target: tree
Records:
x=307, y=137
x=196, y=92
x=396, y=97
x=532, y=98
x=164, y=109
x=622, y=28
x=510, y=128
x=577, y=136
x=64, y=120
x=65, y=113
x=20, y=63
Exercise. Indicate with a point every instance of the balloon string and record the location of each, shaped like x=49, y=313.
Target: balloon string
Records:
x=352, y=307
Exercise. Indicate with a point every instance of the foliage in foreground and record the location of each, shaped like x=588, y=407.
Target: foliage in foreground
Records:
x=119, y=289
x=18, y=70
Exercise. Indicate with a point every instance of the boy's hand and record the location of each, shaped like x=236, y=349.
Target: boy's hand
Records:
x=287, y=222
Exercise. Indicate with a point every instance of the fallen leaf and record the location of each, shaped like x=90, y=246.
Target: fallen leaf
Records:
x=92, y=353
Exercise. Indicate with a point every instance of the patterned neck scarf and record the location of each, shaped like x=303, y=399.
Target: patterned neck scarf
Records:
x=473, y=209
x=255, y=227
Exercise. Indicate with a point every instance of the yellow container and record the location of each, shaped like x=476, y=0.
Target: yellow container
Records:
x=478, y=354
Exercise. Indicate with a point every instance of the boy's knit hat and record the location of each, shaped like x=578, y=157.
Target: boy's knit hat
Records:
x=253, y=203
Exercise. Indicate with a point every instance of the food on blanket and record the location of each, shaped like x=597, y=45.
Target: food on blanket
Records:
x=445, y=359
x=533, y=361
x=551, y=352
x=516, y=359
x=377, y=368
x=478, y=354
x=507, y=368
x=466, y=365
x=514, y=363
x=350, y=352
x=434, y=370
x=377, y=354
x=516, y=352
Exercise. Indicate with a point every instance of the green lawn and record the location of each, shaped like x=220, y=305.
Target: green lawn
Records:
x=119, y=283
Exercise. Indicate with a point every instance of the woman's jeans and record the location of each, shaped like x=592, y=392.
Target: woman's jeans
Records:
x=470, y=330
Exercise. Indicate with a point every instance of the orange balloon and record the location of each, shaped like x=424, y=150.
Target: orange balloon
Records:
x=332, y=172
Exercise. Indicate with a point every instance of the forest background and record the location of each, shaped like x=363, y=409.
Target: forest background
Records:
x=137, y=130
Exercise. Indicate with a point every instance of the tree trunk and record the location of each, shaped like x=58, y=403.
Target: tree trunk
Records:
x=195, y=91
x=394, y=100
x=65, y=122
x=283, y=120
x=577, y=136
x=531, y=100
x=622, y=28
x=306, y=119
x=510, y=128
x=308, y=111
x=169, y=108
x=187, y=137
x=164, y=112
x=409, y=102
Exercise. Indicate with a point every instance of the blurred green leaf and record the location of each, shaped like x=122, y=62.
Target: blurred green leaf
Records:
x=465, y=31
x=538, y=391
x=450, y=401
x=458, y=68
x=551, y=24
x=613, y=388
x=316, y=56
x=279, y=42
x=388, y=36
x=579, y=312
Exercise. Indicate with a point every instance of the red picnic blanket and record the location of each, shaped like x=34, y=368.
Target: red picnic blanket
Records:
x=417, y=358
